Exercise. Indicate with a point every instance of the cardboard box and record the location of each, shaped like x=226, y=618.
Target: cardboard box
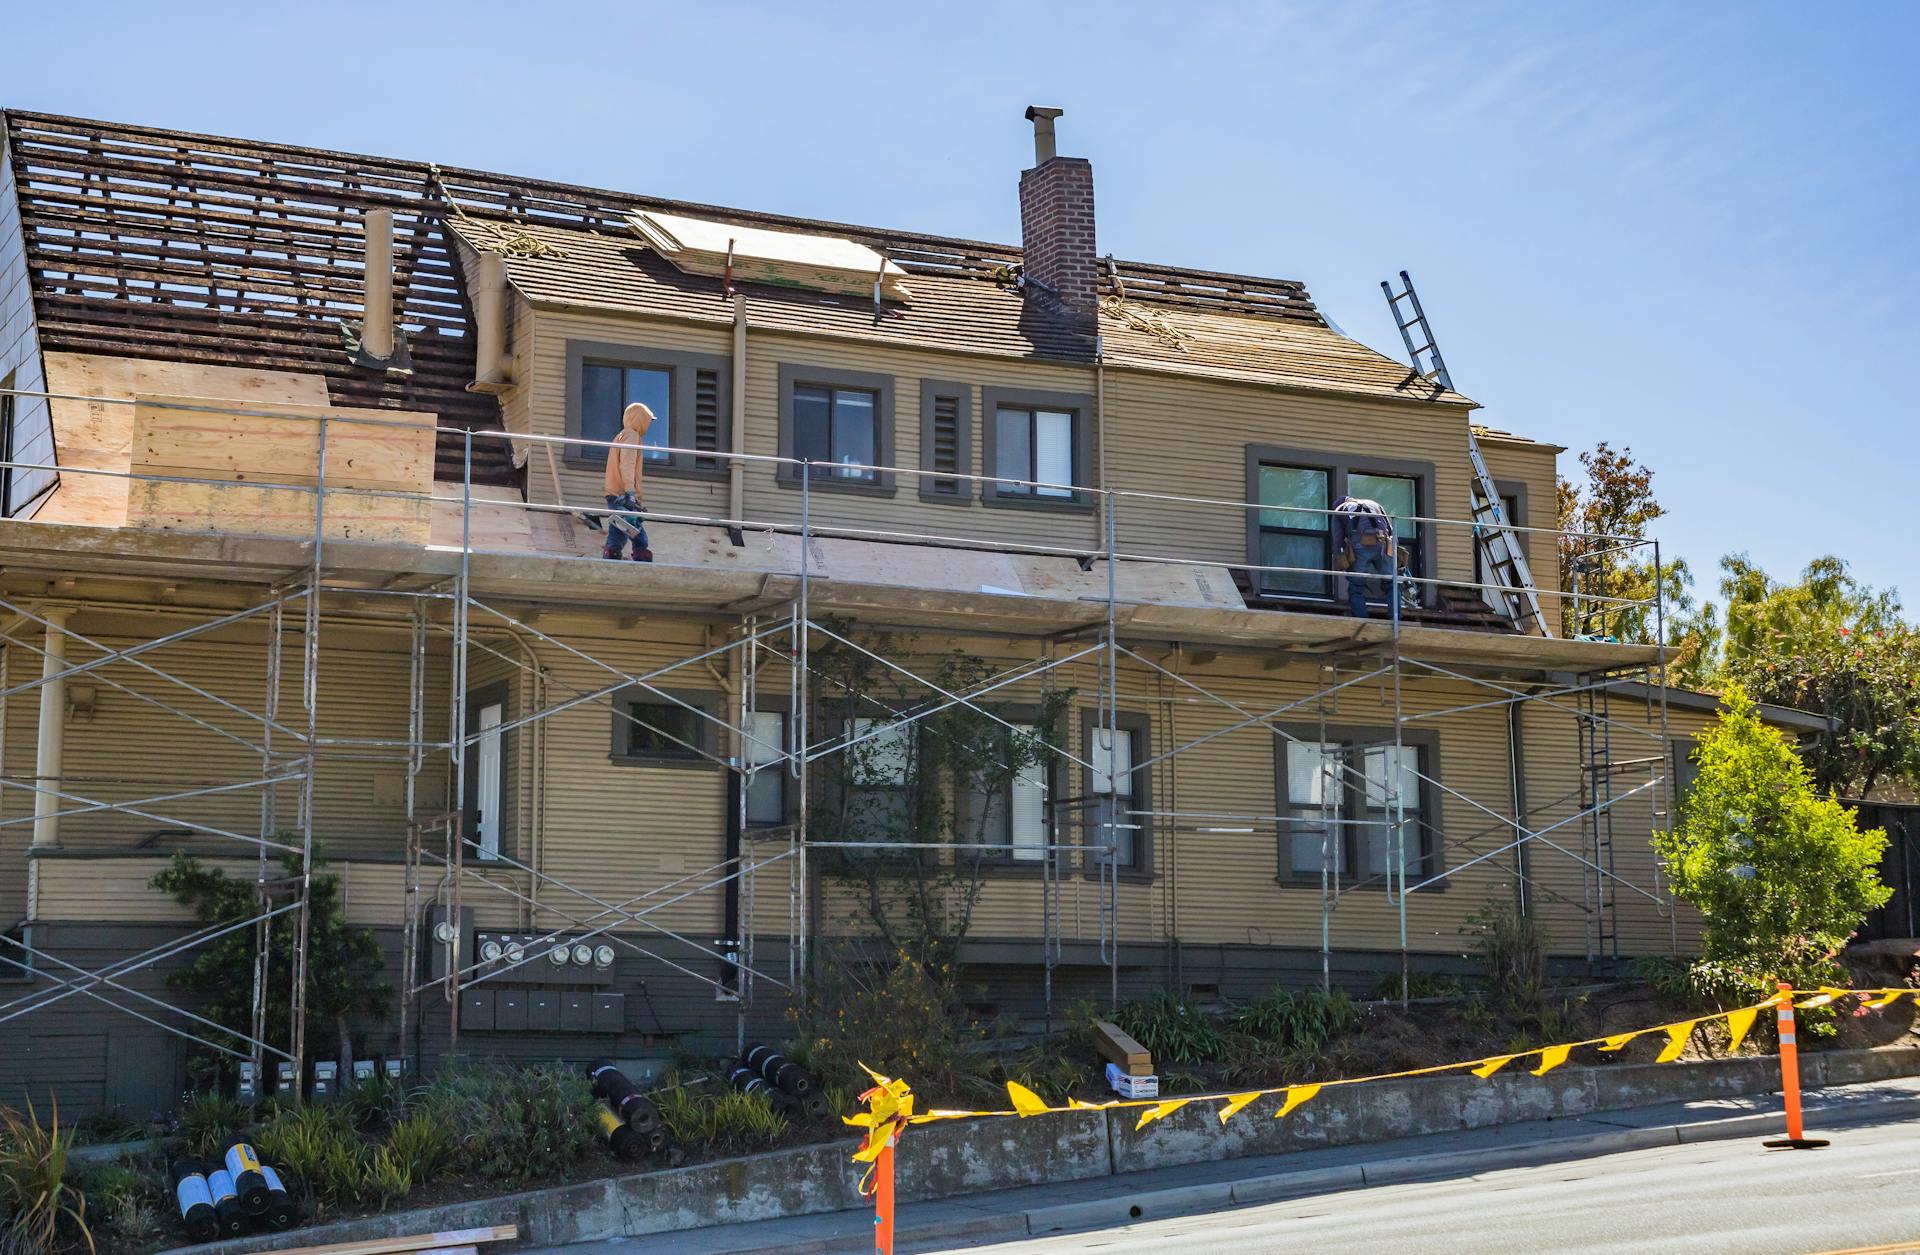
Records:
x=1132, y=1086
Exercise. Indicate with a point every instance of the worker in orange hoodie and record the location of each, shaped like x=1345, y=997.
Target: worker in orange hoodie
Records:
x=626, y=466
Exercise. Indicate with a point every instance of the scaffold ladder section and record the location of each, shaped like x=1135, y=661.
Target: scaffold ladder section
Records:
x=1595, y=725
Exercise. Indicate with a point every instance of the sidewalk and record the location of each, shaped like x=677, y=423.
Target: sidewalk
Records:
x=1115, y=1200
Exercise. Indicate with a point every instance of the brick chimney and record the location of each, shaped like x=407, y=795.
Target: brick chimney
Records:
x=1056, y=220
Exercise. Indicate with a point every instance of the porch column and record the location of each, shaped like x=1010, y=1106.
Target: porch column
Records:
x=53, y=732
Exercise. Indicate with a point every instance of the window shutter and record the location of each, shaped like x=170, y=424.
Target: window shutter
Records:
x=706, y=415
x=946, y=440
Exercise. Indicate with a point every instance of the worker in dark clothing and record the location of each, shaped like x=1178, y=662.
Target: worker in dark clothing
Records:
x=1362, y=537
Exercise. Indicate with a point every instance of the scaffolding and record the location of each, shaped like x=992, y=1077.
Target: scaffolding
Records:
x=449, y=620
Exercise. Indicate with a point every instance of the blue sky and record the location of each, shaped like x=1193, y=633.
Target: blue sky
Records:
x=1685, y=228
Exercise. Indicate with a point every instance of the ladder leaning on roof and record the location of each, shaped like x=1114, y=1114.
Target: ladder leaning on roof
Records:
x=1502, y=551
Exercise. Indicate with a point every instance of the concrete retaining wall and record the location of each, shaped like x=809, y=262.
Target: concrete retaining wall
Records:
x=967, y=1157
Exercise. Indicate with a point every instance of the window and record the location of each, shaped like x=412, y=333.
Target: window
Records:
x=1014, y=814
x=1040, y=442
x=1295, y=534
x=842, y=421
x=1119, y=794
x=1400, y=496
x=1685, y=773
x=607, y=390
x=880, y=769
x=666, y=728
x=766, y=743
x=1293, y=488
x=1337, y=798
x=1513, y=507
x=687, y=392
x=837, y=429
x=1037, y=446
x=6, y=450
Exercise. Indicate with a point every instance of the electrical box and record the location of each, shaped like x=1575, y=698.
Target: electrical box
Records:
x=609, y=1013
x=476, y=1009
x=326, y=1080
x=248, y=1091
x=576, y=1012
x=543, y=1008
x=510, y=1010
x=364, y=1070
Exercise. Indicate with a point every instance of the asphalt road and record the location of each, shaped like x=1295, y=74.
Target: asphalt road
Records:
x=1860, y=1194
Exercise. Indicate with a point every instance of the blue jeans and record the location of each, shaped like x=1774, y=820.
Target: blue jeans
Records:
x=1377, y=562
x=617, y=536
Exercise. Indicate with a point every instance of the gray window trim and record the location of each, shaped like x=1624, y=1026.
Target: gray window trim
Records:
x=708, y=738
x=682, y=366
x=1517, y=489
x=1683, y=749
x=1141, y=725
x=795, y=374
x=1337, y=466
x=1433, y=855
x=930, y=389
x=1080, y=405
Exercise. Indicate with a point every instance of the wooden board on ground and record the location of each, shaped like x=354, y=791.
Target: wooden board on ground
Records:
x=265, y=443
x=419, y=1244
x=97, y=434
x=1122, y=1049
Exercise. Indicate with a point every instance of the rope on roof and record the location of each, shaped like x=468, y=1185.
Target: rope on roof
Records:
x=504, y=238
x=1116, y=306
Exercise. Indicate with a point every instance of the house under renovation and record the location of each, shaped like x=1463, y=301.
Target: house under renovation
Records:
x=999, y=586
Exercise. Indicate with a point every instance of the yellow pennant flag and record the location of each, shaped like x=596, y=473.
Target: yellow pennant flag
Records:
x=1885, y=999
x=1235, y=1103
x=1677, y=1035
x=1617, y=1042
x=1491, y=1066
x=1074, y=1104
x=1296, y=1095
x=1820, y=999
x=1025, y=1101
x=1155, y=1112
x=1739, y=1024
x=1551, y=1058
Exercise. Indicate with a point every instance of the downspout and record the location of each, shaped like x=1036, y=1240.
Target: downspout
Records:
x=376, y=327
x=53, y=731
x=1517, y=766
x=737, y=469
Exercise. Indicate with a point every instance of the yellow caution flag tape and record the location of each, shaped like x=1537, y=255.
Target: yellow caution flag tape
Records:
x=890, y=1102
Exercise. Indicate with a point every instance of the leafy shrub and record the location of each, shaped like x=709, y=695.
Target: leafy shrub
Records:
x=1419, y=985
x=514, y=1125
x=376, y=1104
x=320, y=1146
x=1780, y=875
x=1047, y=1071
x=208, y=1122
x=1305, y=1019
x=423, y=1144
x=1512, y=949
x=40, y=1208
x=1172, y=1029
x=728, y=1121
x=898, y=1018
x=385, y=1176
x=122, y=1199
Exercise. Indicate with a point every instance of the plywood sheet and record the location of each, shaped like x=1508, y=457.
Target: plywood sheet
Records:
x=274, y=443
x=93, y=424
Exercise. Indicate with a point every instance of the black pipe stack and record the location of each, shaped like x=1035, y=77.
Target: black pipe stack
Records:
x=749, y=1081
x=226, y=1203
x=611, y=1086
x=249, y=1182
x=282, y=1212
x=190, y=1190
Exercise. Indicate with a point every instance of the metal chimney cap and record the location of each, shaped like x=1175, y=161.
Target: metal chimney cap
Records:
x=1042, y=118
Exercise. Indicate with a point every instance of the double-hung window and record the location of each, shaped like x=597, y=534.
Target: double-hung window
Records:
x=1117, y=809
x=654, y=727
x=1013, y=813
x=880, y=762
x=687, y=392
x=1293, y=529
x=765, y=753
x=1340, y=800
x=1399, y=495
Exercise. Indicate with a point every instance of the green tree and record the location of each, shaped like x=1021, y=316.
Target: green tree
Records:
x=1781, y=875
x=344, y=964
x=1829, y=644
x=1606, y=556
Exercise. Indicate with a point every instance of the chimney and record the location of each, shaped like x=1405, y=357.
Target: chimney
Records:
x=376, y=328
x=490, y=323
x=1056, y=220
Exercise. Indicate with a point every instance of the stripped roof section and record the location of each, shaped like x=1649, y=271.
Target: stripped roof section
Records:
x=159, y=243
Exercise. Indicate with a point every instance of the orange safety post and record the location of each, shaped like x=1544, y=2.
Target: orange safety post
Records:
x=883, y=1202
x=1790, y=1077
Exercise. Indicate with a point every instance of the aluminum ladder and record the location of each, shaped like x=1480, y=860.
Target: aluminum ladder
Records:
x=1502, y=552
